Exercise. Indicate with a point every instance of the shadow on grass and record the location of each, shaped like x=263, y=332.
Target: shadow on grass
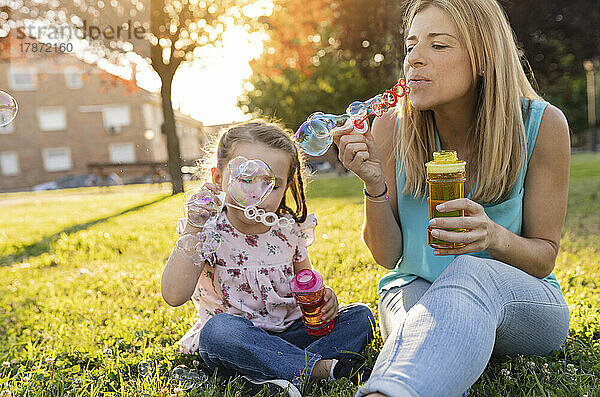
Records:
x=43, y=245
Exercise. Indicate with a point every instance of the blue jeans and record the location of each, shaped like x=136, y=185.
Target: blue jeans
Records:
x=234, y=343
x=440, y=336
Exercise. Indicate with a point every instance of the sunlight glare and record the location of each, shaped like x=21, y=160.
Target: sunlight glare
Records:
x=258, y=9
x=208, y=88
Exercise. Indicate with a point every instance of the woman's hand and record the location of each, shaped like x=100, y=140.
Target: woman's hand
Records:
x=481, y=231
x=359, y=154
x=330, y=308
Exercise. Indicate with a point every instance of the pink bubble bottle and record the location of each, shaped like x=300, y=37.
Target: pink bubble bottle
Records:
x=309, y=291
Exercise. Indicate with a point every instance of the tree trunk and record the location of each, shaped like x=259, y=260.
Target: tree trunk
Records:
x=169, y=129
x=166, y=71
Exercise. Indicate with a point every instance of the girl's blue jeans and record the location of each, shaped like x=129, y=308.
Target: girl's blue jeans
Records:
x=234, y=343
x=440, y=336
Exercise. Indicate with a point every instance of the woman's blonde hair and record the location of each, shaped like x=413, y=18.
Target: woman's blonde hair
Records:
x=498, y=134
x=271, y=135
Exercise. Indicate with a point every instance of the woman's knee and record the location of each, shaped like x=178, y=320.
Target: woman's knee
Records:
x=532, y=328
x=466, y=267
x=468, y=277
x=466, y=264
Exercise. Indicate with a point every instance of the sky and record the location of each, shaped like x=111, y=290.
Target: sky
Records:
x=208, y=89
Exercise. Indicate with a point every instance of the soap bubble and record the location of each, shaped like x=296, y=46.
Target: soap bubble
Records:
x=200, y=205
x=145, y=369
x=199, y=246
x=191, y=246
x=360, y=109
x=187, y=378
x=210, y=241
x=250, y=181
x=8, y=108
x=314, y=135
x=187, y=243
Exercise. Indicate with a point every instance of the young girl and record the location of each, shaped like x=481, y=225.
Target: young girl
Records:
x=249, y=321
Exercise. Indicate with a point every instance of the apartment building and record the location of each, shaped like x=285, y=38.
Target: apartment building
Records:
x=73, y=114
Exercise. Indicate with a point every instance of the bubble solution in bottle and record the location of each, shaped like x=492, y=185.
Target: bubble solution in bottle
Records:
x=309, y=292
x=446, y=179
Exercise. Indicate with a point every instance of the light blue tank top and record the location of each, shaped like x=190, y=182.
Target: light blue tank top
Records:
x=417, y=256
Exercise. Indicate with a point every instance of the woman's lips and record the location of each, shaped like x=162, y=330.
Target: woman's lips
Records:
x=418, y=83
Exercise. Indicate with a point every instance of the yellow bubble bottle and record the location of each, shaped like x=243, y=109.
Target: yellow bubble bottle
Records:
x=446, y=179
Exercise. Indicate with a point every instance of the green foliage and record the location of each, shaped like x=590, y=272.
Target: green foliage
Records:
x=293, y=95
x=355, y=57
x=80, y=303
x=556, y=37
x=371, y=34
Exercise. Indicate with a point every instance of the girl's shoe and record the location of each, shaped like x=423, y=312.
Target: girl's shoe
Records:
x=276, y=387
x=354, y=369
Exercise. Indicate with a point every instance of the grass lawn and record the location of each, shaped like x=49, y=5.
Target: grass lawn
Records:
x=80, y=304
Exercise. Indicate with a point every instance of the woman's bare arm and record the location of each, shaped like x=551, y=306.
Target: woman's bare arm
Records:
x=381, y=226
x=544, y=201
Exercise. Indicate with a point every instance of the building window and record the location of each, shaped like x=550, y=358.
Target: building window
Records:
x=152, y=116
x=52, y=118
x=9, y=163
x=121, y=153
x=115, y=117
x=7, y=129
x=23, y=78
x=57, y=159
x=73, y=78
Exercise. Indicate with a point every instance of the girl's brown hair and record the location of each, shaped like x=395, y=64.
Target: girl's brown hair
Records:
x=274, y=136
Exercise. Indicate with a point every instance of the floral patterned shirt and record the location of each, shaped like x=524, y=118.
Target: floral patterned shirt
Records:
x=250, y=276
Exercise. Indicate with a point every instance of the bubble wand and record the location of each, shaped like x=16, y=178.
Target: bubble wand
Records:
x=314, y=136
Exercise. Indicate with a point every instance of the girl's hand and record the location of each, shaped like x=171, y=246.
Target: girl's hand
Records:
x=481, y=231
x=359, y=154
x=198, y=213
x=330, y=308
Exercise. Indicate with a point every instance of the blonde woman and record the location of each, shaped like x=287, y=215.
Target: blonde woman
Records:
x=444, y=312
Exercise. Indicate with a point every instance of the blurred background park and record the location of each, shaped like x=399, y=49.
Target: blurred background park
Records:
x=133, y=93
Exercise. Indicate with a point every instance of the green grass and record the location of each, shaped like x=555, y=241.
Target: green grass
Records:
x=80, y=304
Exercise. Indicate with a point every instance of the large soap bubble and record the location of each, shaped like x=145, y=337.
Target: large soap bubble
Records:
x=250, y=181
x=201, y=205
x=314, y=136
x=187, y=378
x=8, y=108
